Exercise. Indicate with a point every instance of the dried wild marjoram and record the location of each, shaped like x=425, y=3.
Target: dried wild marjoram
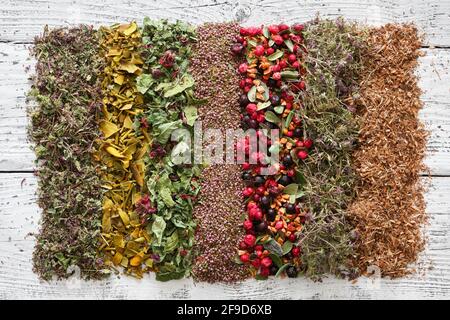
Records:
x=63, y=128
x=125, y=240
x=389, y=210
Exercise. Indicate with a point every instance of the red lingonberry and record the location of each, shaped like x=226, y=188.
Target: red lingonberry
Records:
x=291, y=173
x=295, y=38
x=237, y=48
x=298, y=27
x=259, y=248
x=242, y=245
x=302, y=85
x=302, y=154
x=292, y=237
x=245, y=257
x=290, y=133
x=266, y=262
x=279, y=225
x=308, y=143
x=292, y=58
x=251, y=205
x=258, y=216
x=251, y=108
x=278, y=39
x=242, y=84
x=256, y=197
x=296, y=65
x=252, y=211
x=248, y=225
x=254, y=31
x=247, y=89
x=260, y=118
x=275, y=68
x=276, y=76
x=259, y=50
x=248, y=191
x=271, y=183
x=283, y=64
x=265, y=272
x=239, y=39
x=244, y=32
x=256, y=263
x=243, y=68
x=295, y=251
x=283, y=27
x=299, y=144
x=260, y=190
x=249, y=240
x=269, y=51
x=273, y=29
x=246, y=166
x=249, y=81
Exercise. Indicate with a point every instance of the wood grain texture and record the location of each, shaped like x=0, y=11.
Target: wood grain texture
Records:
x=19, y=216
x=22, y=20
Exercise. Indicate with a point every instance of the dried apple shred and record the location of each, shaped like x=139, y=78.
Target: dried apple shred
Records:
x=125, y=241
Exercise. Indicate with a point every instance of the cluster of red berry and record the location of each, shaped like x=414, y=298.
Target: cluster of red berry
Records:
x=272, y=85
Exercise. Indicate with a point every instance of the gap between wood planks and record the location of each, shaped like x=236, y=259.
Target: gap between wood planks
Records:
x=445, y=47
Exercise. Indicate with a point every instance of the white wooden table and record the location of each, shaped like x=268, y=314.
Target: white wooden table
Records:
x=21, y=20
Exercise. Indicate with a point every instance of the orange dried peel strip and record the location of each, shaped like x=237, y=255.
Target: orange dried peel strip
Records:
x=124, y=238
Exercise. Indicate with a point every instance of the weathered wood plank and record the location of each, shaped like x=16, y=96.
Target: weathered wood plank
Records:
x=13, y=122
x=22, y=20
x=433, y=71
x=19, y=215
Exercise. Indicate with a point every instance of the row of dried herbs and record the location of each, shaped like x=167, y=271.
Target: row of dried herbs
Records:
x=121, y=152
x=170, y=113
x=112, y=127
x=66, y=98
x=271, y=99
x=389, y=210
x=333, y=65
